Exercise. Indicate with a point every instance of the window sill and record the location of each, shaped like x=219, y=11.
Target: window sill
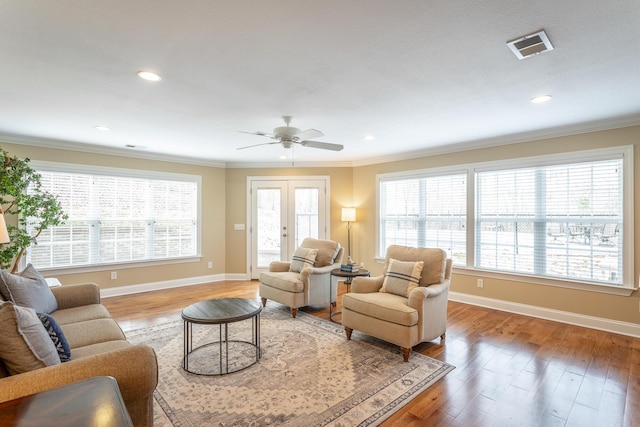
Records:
x=118, y=265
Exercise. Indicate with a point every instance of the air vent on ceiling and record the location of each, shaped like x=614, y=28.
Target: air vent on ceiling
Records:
x=530, y=45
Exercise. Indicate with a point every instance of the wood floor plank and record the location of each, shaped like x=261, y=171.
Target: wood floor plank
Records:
x=511, y=370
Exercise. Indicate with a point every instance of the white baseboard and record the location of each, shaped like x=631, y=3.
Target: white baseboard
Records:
x=607, y=325
x=154, y=286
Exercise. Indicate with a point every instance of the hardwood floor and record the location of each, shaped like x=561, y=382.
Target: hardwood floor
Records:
x=510, y=369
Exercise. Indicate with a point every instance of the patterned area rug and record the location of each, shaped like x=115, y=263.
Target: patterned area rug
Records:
x=308, y=375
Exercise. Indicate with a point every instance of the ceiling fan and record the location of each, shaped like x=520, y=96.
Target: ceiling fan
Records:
x=289, y=136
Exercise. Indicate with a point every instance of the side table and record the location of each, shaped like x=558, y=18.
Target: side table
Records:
x=348, y=276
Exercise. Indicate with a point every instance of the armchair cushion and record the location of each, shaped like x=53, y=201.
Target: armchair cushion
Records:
x=435, y=261
x=24, y=343
x=28, y=289
x=288, y=281
x=402, y=277
x=327, y=250
x=392, y=308
x=303, y=257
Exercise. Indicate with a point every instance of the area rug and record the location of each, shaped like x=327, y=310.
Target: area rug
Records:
x=309, y=374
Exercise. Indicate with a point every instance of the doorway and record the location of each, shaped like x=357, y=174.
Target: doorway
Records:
x=284, y=211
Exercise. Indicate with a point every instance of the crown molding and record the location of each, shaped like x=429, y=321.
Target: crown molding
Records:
x=517, y=138
x=560, y=131
x=111, y=151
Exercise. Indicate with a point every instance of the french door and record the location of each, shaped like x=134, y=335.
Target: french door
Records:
x=283, y=211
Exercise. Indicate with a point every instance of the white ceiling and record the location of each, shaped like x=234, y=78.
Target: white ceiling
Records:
x=421, y=76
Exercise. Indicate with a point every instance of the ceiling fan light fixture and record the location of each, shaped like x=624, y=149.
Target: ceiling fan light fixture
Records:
x=149, y=76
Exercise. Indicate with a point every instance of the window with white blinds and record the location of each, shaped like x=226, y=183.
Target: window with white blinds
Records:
x=425, y=211
x=119, y=218
x=561, y=221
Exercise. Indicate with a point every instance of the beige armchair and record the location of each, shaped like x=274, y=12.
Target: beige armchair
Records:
x=308, y=286
x=405, y=317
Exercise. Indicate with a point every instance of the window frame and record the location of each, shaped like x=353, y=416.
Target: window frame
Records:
x=45, y=166
x=625, y=152
x=416, y=174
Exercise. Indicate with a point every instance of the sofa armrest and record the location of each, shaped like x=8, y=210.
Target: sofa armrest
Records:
x=135, y=368
x=279, y=266
x=366, y=285
x=76, y=295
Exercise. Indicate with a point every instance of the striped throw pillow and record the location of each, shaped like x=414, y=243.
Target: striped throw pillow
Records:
x=302, y=258
x=402, y=277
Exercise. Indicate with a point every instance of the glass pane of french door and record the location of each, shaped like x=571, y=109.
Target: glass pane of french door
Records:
x=269, y=225
x=306, y=214
x=268, y=229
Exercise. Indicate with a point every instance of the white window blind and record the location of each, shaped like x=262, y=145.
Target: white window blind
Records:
x=115, y=219
x=561, y=221
x=425, y=211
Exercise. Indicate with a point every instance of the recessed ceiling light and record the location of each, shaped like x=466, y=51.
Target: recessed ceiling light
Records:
x=540, y=99
x=149, y=75
x=283, y=157
x=369, y=137
x=103, y=128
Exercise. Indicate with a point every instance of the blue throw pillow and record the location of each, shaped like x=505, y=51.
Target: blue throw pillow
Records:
x=57, y=336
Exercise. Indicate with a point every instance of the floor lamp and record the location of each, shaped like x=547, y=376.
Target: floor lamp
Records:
x=349, y=216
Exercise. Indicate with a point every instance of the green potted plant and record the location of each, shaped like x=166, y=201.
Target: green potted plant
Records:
x=22, y=201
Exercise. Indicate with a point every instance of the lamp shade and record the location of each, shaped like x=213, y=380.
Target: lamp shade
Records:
x=4, y=235
x=349, y=214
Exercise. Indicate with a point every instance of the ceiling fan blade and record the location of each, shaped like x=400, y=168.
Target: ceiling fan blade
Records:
x=308, y=134
x=268, y=135
x=257, y=145
x=323, y=145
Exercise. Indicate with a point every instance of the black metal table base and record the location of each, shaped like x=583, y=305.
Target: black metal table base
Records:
x=223, y=348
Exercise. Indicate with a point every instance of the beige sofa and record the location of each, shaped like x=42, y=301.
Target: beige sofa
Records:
x=98, y=347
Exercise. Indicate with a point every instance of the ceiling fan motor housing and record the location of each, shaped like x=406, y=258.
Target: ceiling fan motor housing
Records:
x=285, y=133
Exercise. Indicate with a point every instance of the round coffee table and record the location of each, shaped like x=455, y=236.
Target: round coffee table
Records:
x=221, y=312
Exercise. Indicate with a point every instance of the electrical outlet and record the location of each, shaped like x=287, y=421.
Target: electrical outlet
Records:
x=210, y=264
x=114, y=275
x=480, y=283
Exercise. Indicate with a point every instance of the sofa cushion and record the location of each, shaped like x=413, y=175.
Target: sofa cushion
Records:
x=98, y=348
x=384, y=306
x=402, y=277
x=92, y=331
x=28, y=289
x=81, y=314
x=57, y=336
x=327, y=250
x=302, y=258
x=435, y=261
x=287, y=281
x=24, y=343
